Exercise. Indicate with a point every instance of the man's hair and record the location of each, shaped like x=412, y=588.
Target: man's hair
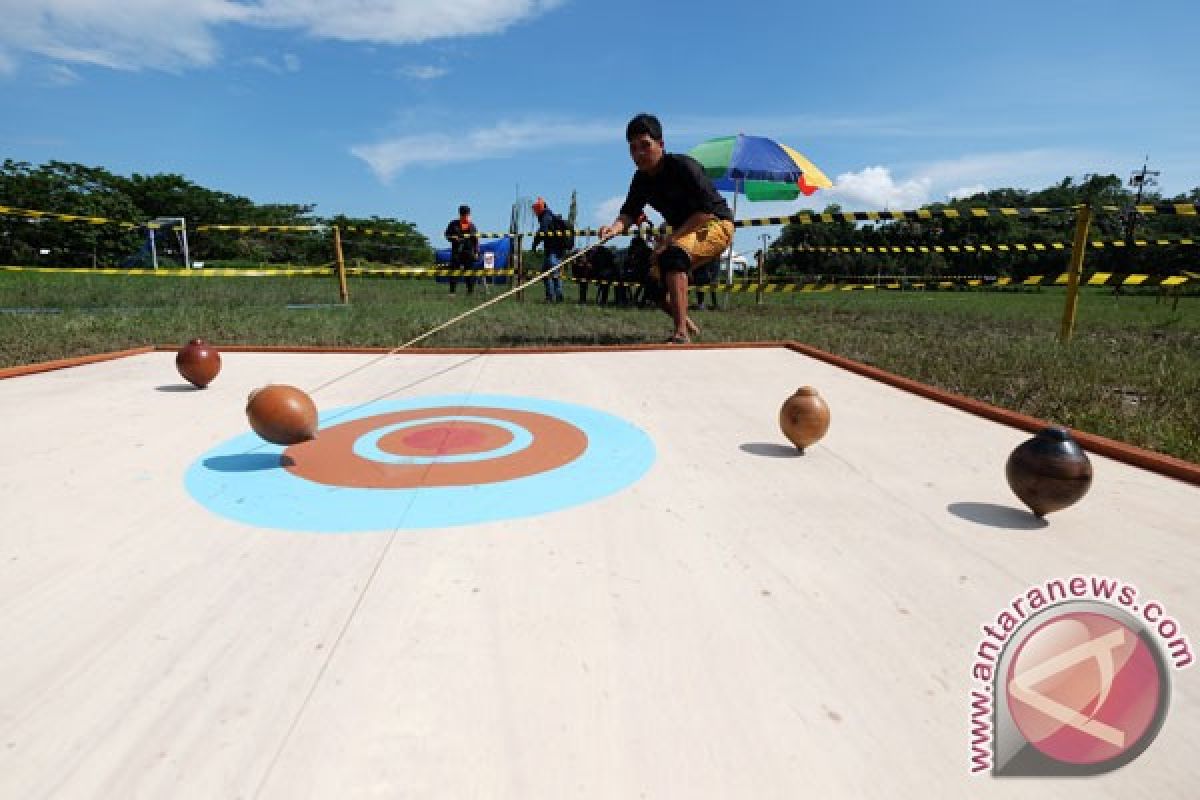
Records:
x=464, y=210
x=643, y=123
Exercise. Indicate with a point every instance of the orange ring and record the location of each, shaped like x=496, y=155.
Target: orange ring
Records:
x=330, y=458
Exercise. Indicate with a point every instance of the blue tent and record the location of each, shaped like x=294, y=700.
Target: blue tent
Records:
x=501, y=247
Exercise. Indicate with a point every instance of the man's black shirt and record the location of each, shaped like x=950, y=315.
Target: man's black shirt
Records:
x=677, y=191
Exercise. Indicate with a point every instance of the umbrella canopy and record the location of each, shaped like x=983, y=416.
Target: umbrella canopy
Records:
x=759, y=168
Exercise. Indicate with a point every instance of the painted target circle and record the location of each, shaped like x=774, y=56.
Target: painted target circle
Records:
x=425, y=463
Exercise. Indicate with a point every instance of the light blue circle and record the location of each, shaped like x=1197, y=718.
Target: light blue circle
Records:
x=367, y=445
x=243, y=478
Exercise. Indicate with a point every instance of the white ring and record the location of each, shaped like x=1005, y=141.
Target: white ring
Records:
x=367, y=445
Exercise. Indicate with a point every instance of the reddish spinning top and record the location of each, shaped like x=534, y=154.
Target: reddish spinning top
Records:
x=1049, y=472
x=282, y=414
x=804, y=417
x=198, y=363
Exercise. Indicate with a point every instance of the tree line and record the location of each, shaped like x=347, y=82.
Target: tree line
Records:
x=69, y=188
x=791, y=253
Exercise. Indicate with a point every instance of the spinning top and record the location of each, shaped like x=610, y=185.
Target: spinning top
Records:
x=804, y=417
x=282, y=414
x=198, y=363
x=1049, y=472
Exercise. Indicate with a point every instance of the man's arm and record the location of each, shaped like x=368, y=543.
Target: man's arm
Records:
x=635, y=201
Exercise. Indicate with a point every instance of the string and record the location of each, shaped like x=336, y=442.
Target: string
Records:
x=457, y=319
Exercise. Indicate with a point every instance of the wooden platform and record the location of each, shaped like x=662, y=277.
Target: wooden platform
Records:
x=740, y=622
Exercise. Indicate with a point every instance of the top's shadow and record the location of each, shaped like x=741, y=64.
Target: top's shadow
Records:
x=176, y=387
x=248, y=462
x=997, y=516
x=771, y=449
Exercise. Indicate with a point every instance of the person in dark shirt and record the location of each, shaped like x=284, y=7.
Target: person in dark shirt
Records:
x=637, y=260
x=581, y=273
x=706, y=278
x=464, y=247
x=554, y=246
x=701, y=224
x=604, y=270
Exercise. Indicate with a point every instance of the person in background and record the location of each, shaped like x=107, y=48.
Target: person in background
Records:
x=703, y=277
x=701, y=224
x=464, y=247
x=604, y=270
x=554, y=247
x=637, y=261
x=581, y=272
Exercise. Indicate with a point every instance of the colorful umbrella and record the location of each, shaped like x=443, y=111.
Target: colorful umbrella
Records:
x=759, y=168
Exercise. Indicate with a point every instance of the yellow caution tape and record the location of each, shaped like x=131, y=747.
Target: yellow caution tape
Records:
x=1098, y=244
x=185, y=273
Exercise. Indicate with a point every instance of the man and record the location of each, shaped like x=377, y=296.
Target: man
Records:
x=464, y=247
x=700, y=220
x=555, y=247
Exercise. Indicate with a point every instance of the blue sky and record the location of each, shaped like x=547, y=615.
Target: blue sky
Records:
x=406, y=108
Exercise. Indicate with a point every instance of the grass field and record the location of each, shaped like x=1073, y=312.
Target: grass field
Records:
x=1131, y=373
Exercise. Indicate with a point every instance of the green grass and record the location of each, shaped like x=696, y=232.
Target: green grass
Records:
x=1132, y=371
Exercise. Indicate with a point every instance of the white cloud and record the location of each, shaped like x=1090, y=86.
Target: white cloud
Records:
x=126, y=35
x=423, y=72
x=62, y=75
x=389, y=157
x=169, y=35
x=397, y=21
x=875, y=188
x=289, y=63
x=966, y=191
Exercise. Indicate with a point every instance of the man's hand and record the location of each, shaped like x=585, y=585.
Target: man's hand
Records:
x=609, y=231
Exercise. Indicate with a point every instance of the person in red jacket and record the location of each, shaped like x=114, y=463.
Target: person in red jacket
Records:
x=464, y=247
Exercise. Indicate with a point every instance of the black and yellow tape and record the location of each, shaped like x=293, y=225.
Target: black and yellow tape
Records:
x=283, y=272
x=1019, y=247
x=802, y=218
x=425, y=272
x=375, y=232
x=1160, y=209
x=926, y=282
x=29, y=213
x=259, y=228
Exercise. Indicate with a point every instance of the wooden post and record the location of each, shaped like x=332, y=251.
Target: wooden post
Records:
x=758, y=295
x=343, y=291
x=520, y=262
x=1077, y=250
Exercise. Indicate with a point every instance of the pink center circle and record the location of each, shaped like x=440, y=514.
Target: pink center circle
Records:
x=438, y=439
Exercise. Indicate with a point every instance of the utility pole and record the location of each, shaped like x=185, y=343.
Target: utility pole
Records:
x=1140, y=180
